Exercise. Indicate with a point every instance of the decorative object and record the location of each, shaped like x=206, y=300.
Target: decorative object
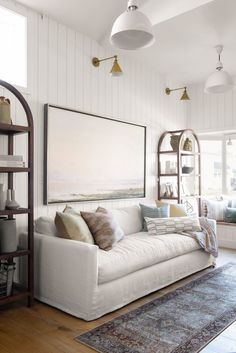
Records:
x=11, y=203
x=157, y=226
x=230, y=215
x=132, y=29
x=115, y=70
x=8, y=241
x=184, y=97
x=104, y=228
x=188, y=146
x=7, y=269
x=5, y=114
x=229, y=143
x=71, y=226
x=101, y=158
x=187, y=170
x=174, y=142
x=176, y=210
x=2, y=198
x=153, y=212
x=192, y=315
x=219, y=81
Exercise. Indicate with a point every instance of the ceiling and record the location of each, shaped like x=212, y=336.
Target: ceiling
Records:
x=186, y=31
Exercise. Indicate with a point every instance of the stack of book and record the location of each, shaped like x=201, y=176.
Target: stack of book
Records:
x=11, y=161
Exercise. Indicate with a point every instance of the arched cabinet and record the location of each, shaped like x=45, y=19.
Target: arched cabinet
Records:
x=179, y=168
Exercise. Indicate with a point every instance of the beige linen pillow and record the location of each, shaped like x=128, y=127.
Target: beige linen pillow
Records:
x=176, y=210
x=71, y=226
x=103, y=227
x=157, y=226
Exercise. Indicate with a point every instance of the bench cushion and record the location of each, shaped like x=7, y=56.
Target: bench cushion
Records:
x=141, y=250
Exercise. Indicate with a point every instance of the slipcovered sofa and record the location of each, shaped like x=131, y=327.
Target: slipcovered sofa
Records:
x=88, y=282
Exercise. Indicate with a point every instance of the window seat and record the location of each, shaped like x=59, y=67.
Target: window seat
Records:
x=226, y=233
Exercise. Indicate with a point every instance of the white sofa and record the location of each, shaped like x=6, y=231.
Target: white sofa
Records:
x=87, y=282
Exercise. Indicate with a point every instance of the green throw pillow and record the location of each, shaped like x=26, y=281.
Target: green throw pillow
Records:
x=230, y=215
x=153, y=212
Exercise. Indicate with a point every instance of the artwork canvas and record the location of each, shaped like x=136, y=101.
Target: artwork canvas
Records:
x=89, y=157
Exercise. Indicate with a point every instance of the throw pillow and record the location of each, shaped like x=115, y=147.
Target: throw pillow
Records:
x=118, y=232
x=157, y=226
x=216, y=209
x=103, y=227
x=230, y=215
x=70, y=226
x=45, y=225
x=176, y=210
x=153, y=212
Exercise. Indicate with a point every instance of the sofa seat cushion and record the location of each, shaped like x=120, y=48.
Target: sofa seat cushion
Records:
x=141, y=250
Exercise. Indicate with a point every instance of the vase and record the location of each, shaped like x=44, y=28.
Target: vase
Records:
x=5, y=115
x=2, y=198
x=174, y=142
x=187, y=145
x=8, y=235
x=11, y=203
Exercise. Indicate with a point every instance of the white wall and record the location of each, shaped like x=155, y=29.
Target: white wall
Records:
x=211, y=112
x=60, y=72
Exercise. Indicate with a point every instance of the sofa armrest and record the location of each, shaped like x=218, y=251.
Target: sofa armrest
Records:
x=66, y=271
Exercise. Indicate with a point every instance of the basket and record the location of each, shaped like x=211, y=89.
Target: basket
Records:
x=6, y=278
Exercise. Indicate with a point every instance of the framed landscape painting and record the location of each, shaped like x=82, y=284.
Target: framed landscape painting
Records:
x=89, y=157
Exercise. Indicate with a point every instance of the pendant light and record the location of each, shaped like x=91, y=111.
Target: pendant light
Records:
x=132, y=29
x=219, y=81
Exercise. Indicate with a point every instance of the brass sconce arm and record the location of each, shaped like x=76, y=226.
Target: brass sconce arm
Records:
x=96, y=61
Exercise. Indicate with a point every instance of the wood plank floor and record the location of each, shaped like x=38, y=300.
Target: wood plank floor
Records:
x=43, y=329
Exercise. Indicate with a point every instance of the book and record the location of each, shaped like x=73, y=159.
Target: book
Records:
x=11, y=158
x=16, y=164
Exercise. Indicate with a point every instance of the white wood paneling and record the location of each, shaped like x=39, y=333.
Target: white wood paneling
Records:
x=211, y=112
x=60, y=72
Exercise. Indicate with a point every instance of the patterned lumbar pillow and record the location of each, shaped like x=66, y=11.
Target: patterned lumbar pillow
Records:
x=72, y=226
x=104, y=228
x=154, y=212
x=157, y=226
x=176, y=210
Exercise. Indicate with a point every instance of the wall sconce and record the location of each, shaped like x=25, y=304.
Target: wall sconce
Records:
x=115, y=70
x=184, y=97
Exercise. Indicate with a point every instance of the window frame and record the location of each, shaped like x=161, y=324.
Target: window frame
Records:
x=223, y=139
x=21, y=10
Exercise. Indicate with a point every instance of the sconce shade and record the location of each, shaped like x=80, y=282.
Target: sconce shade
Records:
x=185, y=96
x=132, y=30
x=219, y=82
x=116, y=69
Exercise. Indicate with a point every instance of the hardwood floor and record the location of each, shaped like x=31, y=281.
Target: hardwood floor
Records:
x=43, y=329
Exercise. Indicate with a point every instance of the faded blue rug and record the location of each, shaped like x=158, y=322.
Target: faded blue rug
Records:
x=182, y=321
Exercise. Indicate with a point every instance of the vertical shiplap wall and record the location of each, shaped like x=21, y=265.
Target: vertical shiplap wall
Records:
x=60, y=72
x=211, y=112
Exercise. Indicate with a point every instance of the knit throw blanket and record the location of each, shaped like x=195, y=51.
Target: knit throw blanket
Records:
x=206, y=238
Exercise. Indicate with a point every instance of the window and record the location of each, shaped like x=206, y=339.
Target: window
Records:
x=13, y=58
x=218, y=166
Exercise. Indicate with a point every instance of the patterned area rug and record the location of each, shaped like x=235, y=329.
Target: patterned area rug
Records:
x=182, y=321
